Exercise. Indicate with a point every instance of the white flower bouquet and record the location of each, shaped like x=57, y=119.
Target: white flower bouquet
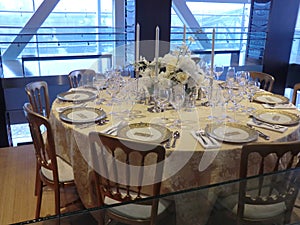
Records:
x=177, y=66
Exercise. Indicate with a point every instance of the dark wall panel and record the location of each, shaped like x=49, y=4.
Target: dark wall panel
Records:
x=280, y=35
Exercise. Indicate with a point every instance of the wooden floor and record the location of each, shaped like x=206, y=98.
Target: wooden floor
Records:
x=17, y=179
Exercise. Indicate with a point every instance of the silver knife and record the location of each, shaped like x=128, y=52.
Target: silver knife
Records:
x=261, y=134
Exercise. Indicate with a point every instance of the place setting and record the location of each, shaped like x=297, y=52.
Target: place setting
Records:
x=147, y=132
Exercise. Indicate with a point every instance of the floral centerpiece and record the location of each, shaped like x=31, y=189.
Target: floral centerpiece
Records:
x=176, y=67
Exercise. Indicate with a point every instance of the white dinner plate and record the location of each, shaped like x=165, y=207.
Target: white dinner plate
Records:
x=77, y=96
x=270, y=98
x=276, y=117
x=231, y=132
x=145, y=132
x=82, y=115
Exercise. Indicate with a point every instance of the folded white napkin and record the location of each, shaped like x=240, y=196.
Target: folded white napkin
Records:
x=210, y=142
x=277, y=128
x=280, y=106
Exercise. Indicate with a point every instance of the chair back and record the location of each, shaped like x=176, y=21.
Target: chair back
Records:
x=270, y=190
x=296, y=89
x=84, y=76
x=38, y=96
x=119, y=165
x=266, y=80
x=44, y=146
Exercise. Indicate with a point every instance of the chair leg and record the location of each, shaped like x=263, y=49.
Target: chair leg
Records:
x=36, y=180
x=39, y=188
x=57, y=200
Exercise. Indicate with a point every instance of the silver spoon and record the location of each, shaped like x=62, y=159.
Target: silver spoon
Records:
x=176, y=136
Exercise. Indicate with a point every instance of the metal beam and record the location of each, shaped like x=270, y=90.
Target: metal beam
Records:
x=186, y=16
x=29, y=30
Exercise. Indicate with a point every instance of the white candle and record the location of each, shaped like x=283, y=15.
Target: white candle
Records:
x=156, y=49
x=137, y=43
x=184, y=33
x=213, y=51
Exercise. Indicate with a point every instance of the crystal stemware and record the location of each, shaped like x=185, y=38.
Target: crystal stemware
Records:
x=99, y=82
x=218, y=70
x=162, y=99
x=177, y=97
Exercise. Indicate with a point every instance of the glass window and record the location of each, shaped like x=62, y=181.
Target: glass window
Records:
x=16, y=5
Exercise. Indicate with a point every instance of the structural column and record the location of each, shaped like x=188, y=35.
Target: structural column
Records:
x=281, y=26
x=150, y=14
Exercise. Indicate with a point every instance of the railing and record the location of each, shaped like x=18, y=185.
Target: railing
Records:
x=85, y=42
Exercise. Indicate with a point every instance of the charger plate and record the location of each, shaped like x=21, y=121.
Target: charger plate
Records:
x=279, y=117
x=148, y=132
x=82, y=115
x=231, y=132
x=270, y=98
x=77, y=96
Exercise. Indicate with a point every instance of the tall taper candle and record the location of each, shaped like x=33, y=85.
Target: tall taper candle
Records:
x=156, y=49
x=213, y=52
x=184, y=33
x=137, y=43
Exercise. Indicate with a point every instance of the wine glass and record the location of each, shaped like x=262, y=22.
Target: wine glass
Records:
x=218, y=70
x=99, y=82
x=242, y=77
x=176, y=98
x=113, y=87
x=236, y=97
x=162, y=98
x=230, y=77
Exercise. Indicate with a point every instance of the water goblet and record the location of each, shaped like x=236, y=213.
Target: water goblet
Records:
x=177, y=97
x=230, y=77
x=218, y=70
x=99, y=82
x=162, y=99
x=242, y=77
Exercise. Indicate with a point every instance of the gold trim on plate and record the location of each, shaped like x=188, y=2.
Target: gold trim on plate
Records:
x=235, y=132
x=64, y=115
x=274, y=117
x=268, y=98
x=89, y=96
x=165, y=132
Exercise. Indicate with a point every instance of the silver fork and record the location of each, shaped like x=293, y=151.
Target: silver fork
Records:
x=204, y=134
x=199, y=134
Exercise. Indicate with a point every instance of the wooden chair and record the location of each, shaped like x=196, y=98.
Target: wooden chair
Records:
x=38, y=96
x=296, y=89
x=265, y=199
x=116, y=185
x=266, y=80
x=53, y=171
x=84, y=76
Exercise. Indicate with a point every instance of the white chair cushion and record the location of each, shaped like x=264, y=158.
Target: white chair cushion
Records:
x=136, y=211
x=254, y=211
x=262, y=211
x=65, y=171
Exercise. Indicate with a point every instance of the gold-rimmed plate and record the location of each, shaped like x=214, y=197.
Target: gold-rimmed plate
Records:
x=231, y=132
x=270, y=98
x=276, y=117
x=77, y=96
x=147, y=132
x=82, y=115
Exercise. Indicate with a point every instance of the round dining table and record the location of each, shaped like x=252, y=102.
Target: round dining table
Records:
x=190, y=164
